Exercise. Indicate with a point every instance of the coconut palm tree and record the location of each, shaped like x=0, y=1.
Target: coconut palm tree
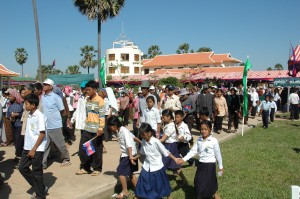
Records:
x=73, y=70
x=99, y=10
x=153, y=51
x=40, y=74
x=21, y=57
x=88, y=53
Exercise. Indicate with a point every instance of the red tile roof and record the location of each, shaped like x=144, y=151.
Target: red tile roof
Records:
x=7, y=73
x=189, y=59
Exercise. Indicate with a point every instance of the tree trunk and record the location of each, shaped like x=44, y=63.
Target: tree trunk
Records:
x=88, y=70
x=99, y=52
x=37, y=40
x=22, y=71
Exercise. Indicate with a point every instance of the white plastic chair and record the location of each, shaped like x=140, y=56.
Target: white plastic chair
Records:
x=295, y=192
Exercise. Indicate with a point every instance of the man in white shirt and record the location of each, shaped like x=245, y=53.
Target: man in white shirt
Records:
x=172, y=101
x=294, y=101
x=254, y=102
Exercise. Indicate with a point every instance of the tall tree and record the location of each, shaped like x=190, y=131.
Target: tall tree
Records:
x=38, y=43
x=192, y=51
x=72, y=70
x=153, y=51
x=21, y=57
x=88, y=53
x=48, y=70
x=183, y=48
x=278, y=67
x=99, y=10
x=269, y=68
x=204, y=49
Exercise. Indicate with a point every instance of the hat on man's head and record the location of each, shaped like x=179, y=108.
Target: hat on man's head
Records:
x=170, y=87
x=152, y=87
x=163, y=86
x=139, y=90
x=49, y=82
x=183, y=91
x=145, y=84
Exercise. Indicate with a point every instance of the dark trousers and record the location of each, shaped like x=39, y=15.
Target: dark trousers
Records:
x=18, y=140
x=253, y=111
x=124, y=114
x=68, y=133
x=107, y=134
x=272, y=114
x=189, y=120
x=233, y=117
x=265, y=118
x=135, y=129
x=35, y=176
x=218, y=123
x=95, y=160
x=294, y=111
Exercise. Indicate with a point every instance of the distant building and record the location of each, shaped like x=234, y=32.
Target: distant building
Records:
x=124, y=58
x=189, y=61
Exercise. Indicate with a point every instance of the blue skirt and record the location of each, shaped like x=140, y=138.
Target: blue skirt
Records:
x=153, y=185
x=168, y=162
x=126, y=168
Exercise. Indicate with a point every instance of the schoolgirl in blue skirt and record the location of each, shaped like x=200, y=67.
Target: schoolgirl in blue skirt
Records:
x=170, y=140
x=153, y=182
x=128, y=149
x=208, y=149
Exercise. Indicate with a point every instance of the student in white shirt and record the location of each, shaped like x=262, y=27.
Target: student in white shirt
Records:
x=170, y=140
x=184, y=135
x=273, y=108
x=152, y=116
x=127, y=164
x=34, y=147
x=153, y=181
x=207, y=147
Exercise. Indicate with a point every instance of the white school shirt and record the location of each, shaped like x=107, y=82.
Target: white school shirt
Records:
x=152, y=117
x=273, y=105
x=294, y=98
x=79, y=116
x=184, y=131
x=254, y=98
x=35, y=124
x=208, y=151
x=153, y=150
x=277, y=97
x=170, y=131
x=126, y=141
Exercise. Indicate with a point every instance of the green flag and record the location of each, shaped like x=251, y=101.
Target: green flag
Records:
x=248, y=65
x=103, y=72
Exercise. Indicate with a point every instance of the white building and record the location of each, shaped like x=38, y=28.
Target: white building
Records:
x=124, y=58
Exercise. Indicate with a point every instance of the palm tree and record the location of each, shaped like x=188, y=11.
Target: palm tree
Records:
x=40, y=74
x=153, y=51
x=48, y=70
x=204, y=49
x=269, y=68
x=278, y=67
x=73, y=70
x=88, y=53
x=183, y=48
x=99, y=10
x=21, y=57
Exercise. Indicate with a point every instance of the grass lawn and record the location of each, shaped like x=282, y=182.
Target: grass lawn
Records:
x=264, y=163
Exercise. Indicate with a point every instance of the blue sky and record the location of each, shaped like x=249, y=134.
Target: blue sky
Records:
x=261, y=29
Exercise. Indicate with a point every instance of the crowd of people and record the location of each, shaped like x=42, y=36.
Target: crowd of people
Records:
x=41, y=115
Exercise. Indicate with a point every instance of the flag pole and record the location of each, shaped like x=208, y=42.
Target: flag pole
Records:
x=243, y=125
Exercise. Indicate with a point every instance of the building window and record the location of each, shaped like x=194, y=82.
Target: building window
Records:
x=111, y=70
x=124, y=57
x=136, y=57
x=146, y=71
x=111, y=57
x=136, y=70
x=124, y=69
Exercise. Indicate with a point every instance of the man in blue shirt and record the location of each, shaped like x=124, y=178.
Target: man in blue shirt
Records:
x=265, y=108
x=52, y=109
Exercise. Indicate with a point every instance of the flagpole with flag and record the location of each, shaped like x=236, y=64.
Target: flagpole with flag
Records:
x=103, y=72
x=247, y=67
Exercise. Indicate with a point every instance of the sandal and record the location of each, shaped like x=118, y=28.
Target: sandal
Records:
x=120, y=196
x=81, y=172
x=95, y=173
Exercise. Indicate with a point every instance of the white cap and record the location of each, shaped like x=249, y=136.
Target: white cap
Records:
x=163, y=86
x=49, y=81
x=152, y=87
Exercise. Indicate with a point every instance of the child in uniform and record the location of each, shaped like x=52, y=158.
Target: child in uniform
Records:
x=273, y=108
x=153, y=181
x=184, y=134
x=127, y=164
x=34, y=147
x=207, y=147
x=265, y=108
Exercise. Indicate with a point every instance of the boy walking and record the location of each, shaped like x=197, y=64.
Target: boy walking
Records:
x=265, y=108
x=34, y=147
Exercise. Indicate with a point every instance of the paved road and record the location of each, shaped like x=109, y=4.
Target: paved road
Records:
x=63, y=182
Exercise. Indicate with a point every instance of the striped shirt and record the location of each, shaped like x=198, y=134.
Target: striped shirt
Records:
x=95, y=114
